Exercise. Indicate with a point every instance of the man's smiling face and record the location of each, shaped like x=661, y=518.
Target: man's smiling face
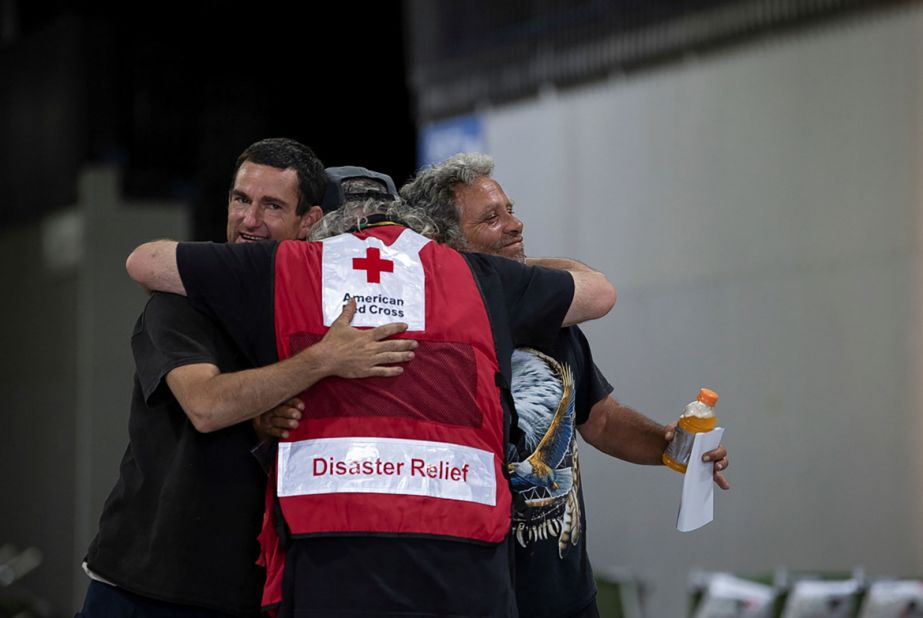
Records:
x=263, y=205
x=487, y=221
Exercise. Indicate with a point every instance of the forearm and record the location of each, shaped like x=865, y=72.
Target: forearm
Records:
x=213, y=400
x=623, y=432
x=220, y=400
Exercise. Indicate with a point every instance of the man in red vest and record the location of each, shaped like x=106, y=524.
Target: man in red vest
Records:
x=394, y=495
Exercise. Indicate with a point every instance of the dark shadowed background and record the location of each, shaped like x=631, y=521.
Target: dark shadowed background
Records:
x=174, y=92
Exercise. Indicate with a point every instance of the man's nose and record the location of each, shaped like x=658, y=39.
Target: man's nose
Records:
x=252, y=215
x=514, y=225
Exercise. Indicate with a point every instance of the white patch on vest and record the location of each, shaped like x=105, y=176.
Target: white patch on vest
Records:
x=386, y=466
x=387, y=282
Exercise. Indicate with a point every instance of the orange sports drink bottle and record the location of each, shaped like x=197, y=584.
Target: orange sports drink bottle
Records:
x=698, y=417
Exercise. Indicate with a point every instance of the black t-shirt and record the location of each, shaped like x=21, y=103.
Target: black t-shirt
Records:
x=358, y=576
x=554, y=394
x=182, y=521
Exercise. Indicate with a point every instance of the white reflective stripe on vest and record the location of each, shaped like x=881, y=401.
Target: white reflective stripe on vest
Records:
x=386, y=281
x=386, y=466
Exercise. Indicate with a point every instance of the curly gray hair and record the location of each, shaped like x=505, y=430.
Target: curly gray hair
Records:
x=433, y=191
x=353, y=215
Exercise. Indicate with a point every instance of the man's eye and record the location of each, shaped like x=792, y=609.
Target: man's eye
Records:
x=274, y=206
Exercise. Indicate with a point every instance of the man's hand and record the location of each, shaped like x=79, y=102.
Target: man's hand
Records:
x=719, y=456
x=277, y=422
x=350, y=352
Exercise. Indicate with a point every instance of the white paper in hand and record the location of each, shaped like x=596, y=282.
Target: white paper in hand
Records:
x=697, y=506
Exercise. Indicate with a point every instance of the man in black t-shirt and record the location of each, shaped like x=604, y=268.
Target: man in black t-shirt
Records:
x=368, y=573
x=177, y=535
x=558, y=393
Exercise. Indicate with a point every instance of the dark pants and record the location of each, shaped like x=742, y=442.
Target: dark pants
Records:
x=590, y=611
x=104, y=601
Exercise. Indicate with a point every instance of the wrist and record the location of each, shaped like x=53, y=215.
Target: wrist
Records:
x=314, y=363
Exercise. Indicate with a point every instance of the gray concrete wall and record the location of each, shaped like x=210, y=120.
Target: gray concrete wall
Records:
x=38, y=377
x=68, y=314
x=758, y=210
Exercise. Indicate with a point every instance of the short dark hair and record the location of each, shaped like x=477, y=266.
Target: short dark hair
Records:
x=284, y=153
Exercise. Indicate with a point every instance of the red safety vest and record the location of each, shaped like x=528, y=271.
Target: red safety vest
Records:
x=420, y=454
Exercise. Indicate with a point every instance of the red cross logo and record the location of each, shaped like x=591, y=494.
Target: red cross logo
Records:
x=373, y=265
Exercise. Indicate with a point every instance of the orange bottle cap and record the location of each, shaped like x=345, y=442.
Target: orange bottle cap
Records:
x=708, y=397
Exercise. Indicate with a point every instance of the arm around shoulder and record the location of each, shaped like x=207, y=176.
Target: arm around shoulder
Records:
x=594, y=297
x=153, y=265
x=213, y=400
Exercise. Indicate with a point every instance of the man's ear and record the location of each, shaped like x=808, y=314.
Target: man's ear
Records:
x=308, y=220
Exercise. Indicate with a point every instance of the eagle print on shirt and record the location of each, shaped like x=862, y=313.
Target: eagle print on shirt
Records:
x=544, y=472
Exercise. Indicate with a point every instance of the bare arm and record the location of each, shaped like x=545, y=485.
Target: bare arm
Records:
x=625, y=433
x=214, y=400
x=594, y=295
x=153, y=265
